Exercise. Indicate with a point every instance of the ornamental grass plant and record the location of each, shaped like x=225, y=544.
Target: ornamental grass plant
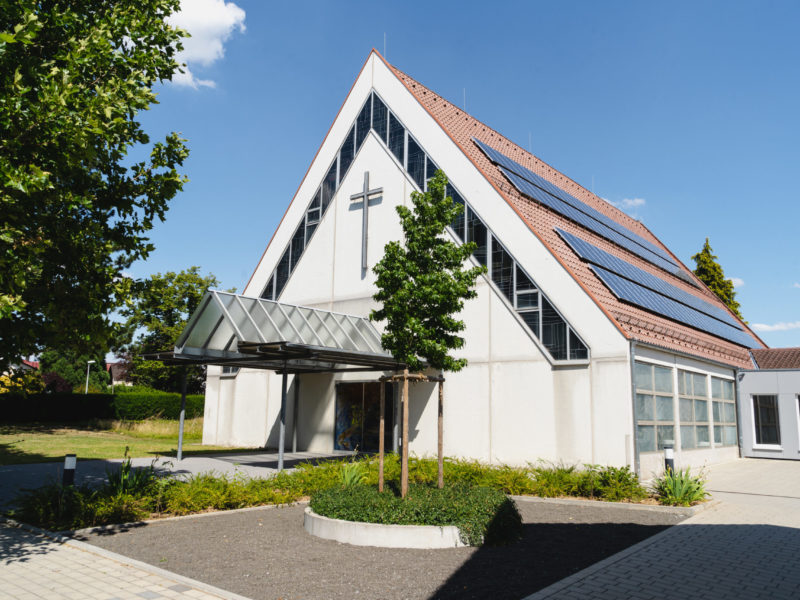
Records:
x=680, y=488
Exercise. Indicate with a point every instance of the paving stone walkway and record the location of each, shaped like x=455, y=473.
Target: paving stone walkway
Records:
x=746, y=546
x=34, y=567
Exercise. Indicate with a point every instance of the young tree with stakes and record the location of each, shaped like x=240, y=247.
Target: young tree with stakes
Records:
x=422, y=286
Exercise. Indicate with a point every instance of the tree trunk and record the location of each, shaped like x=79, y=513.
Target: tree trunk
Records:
x=441, y=435
x=381, y=435
x=404, y=455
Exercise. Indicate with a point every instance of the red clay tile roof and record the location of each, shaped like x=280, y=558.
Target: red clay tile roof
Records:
x=634, y=322
x=777, y=358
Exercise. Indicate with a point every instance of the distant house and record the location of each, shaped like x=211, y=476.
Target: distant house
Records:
x=769, y=404
x=118, y=372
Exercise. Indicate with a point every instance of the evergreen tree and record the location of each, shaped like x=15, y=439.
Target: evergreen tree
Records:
x=423, y=285
x=710, y=272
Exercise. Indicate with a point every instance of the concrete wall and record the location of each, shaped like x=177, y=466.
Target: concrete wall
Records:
x=511, y=404
x=784, y=384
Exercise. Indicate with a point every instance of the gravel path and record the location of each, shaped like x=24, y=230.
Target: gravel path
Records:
x=266, y=554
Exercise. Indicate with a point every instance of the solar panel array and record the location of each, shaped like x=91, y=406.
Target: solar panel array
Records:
x=593, y=254
x=648, y=299
x=541, y=190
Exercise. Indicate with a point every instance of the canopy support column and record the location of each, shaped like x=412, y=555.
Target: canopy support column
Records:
x=282, y=435
x=294, y=411
x=183, y=414
x=441, y=434
x=381, y=435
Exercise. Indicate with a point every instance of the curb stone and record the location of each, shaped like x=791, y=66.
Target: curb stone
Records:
x=687, y=511
x=130, y=562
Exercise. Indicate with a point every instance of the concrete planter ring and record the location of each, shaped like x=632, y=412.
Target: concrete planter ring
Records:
x=385, y=536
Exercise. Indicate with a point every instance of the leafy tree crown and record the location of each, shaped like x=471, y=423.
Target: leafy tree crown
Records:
x=423, y=284
x=74, y=205
x=709, y=271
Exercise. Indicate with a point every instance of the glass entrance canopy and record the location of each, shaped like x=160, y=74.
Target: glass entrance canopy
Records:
x=234, y=330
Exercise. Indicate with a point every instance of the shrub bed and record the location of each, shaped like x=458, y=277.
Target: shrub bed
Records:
x=482, y=515
x=54, y=507
x=72, y=408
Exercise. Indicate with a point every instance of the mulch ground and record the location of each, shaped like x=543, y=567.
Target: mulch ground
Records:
x=266, y=554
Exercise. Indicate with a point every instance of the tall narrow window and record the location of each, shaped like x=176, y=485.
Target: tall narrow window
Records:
x=362, y=124
x=380, y=122
x=416, y=162
x=554, y=331
x=458, y=223
x=346, y=154
x=430, y=171
x=476, y=232
x=654, y=406
x=298, y=245
x=269, y=290
x=577, y=349
x=282, y=272
x=724, y=412
x=693, y=410
x=502, y=270
x=328, y=187
x=397, y=137
x=765, y=414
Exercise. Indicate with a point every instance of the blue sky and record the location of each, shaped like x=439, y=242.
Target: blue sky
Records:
x=685, y=114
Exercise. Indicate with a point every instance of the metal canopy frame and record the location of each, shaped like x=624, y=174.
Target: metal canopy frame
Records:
x=254, y=333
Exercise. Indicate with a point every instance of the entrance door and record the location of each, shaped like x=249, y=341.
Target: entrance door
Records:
x=358, y=412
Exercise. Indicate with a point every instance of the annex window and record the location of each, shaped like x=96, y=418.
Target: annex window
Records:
x=723, y=412
x=654, y=406
x=230, y=371
x=765, y=419
x=693, y=410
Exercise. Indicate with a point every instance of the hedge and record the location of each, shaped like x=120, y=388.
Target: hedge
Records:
x=70, y=407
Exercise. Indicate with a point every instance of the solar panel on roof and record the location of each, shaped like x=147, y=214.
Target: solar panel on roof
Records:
x=561, y=207
x=597, y=222
x=593, y=254
x=640, y=296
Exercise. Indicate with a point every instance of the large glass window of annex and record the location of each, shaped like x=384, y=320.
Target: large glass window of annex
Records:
x=705, y=407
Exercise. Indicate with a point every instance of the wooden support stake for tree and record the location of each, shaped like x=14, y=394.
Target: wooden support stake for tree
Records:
x=381, y=435
x=441, y=435
x=404, y=454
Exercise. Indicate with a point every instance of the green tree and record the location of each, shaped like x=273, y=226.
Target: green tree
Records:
x=158, y=313
x=74, y=204
x=422, y=286
x=72, y=368
x=709, y=271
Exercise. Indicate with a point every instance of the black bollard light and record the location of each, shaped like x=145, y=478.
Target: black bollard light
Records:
x=70, y=461
x=669, y=456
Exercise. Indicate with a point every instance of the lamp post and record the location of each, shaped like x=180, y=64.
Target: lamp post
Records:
x=88, y=366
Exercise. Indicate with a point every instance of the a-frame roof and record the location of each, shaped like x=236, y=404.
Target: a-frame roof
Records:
x=634, y=322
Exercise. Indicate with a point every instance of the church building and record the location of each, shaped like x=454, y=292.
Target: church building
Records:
x=588, y=341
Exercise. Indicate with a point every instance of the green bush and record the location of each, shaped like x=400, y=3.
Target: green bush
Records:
x=137, y=406
x=680, y=488
x=482, y=515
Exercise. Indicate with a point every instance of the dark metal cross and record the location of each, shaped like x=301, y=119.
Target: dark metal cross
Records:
x=364, y=197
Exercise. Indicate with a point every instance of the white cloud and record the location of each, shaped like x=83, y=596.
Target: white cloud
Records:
x=629, y=205
x=737, y=282
x=796, y=285
x=211, y=23
x=777, y=326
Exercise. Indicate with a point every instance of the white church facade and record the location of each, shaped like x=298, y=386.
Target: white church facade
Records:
x=588, y=341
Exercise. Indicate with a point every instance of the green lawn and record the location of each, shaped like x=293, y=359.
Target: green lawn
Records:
x=33, y=443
